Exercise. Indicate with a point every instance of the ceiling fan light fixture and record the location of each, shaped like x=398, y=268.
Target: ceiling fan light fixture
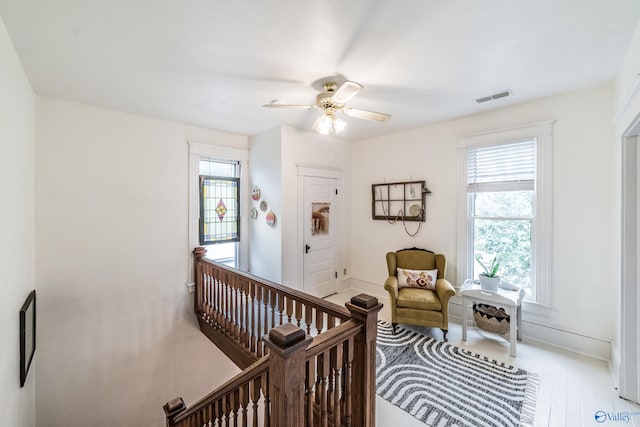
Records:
x=328, y=124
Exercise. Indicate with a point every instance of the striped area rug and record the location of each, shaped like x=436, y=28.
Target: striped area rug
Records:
x=444, y=385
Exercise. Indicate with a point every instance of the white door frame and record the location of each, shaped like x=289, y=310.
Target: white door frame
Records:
x=629, y=375
x=318, y=172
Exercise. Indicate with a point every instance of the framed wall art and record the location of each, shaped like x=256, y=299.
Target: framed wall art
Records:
x=27, y=335
x=399, y=201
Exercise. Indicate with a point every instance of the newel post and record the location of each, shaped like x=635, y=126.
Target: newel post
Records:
x=364, y=309
x=173, y=408
x=198, y=254
x=287, y=344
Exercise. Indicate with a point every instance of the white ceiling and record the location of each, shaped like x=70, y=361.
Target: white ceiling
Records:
x=215, y=63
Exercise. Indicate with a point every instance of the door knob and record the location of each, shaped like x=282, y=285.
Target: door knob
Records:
x=306, y=249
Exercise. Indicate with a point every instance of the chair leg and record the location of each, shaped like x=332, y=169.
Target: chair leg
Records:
x=394, y=327
x=444, y=332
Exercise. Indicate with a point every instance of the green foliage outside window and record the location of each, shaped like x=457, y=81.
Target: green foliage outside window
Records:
x=502, y=227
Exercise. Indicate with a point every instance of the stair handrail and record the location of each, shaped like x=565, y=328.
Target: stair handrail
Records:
x=176, y=410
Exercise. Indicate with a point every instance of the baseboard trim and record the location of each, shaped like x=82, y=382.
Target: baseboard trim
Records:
x=585, y=345
x=369, y=288
x=555, y=336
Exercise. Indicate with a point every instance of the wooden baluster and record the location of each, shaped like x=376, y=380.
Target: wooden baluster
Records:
x=235, y=314
x=348, y=379
x=245, y=405
x=336, y=366
x=267, y=401
x=281, y=308
x=245, y=301
x=227, y=305
x=260, y=344
x=287, y=344
x=267, y=303
x=289, y=302
x=215, y=288
x=319, y=321
x=210, y=302
x=310, y=395
x=239, y=318
x=220, y=406
x=331, y=321
x=364, y=309
x=252, y=322
x=272, y=303
x=235, y=402
x=227, y=410
x=323, y=373
x=298, y=313
x=308, y=317
x=255, y=399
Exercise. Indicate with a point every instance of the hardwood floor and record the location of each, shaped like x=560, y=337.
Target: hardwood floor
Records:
x=573, y=387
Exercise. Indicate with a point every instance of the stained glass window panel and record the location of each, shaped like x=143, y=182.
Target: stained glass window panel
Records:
x=219, y=209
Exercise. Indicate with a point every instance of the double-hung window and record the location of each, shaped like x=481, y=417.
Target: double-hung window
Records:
x=219, y=221
x=217, y=217
x=505, y=206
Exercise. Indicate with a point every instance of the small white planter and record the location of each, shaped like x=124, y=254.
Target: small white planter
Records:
x=489, y=283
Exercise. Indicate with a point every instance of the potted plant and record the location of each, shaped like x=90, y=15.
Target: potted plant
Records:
x=489, y=280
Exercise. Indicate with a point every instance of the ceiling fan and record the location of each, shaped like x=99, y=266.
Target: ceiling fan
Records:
x=331, y=101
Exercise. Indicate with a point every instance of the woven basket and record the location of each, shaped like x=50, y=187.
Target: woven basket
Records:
x=491, y=319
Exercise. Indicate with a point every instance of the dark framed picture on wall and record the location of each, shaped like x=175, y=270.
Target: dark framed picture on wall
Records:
x=27, y=335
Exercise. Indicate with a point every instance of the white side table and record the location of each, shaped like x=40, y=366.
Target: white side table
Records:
x=511, y=301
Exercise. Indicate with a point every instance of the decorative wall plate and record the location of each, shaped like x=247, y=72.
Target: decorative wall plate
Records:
x=263, y=206
x=255, y=193
x=415, y=210
x=271, y=218
x=254, y=213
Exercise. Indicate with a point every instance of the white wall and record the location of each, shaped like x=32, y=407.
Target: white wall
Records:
x=582, y=296
x=265, y=242
x=306, y=148
x=17, y=116
x=274, y=159
x=117, y=337
x=627, y=110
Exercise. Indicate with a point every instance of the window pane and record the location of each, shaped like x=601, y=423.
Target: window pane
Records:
x=219, y=209
x=502, y=162
x=224, y=253
x=511, y=241
x=212, y=167
x=503, y=204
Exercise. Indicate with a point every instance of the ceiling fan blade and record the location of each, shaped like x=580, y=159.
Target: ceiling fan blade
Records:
x=367, y=115
x=306, y=107
x=346, y=91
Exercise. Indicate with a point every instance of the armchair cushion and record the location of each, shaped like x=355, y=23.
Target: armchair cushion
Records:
x=422, y=279
x=421, y=299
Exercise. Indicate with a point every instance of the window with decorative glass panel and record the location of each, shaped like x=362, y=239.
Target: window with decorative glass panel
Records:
x=219, y=222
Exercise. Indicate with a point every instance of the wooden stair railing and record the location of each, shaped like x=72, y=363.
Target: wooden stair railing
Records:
x=243, y=400
x=326, y=380
x=302, y=382
x=235, y=309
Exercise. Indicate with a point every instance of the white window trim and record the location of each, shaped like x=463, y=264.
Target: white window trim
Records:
x=542, y=225
x=197, y=150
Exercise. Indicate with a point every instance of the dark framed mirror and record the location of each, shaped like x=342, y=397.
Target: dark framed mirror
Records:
x=27, y=335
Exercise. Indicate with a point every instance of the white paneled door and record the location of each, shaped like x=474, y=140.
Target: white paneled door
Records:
x=319, y=265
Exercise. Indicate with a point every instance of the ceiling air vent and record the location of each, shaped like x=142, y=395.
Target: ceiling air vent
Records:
x=498, y=95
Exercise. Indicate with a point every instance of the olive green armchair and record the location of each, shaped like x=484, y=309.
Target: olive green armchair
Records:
x=415, y=305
